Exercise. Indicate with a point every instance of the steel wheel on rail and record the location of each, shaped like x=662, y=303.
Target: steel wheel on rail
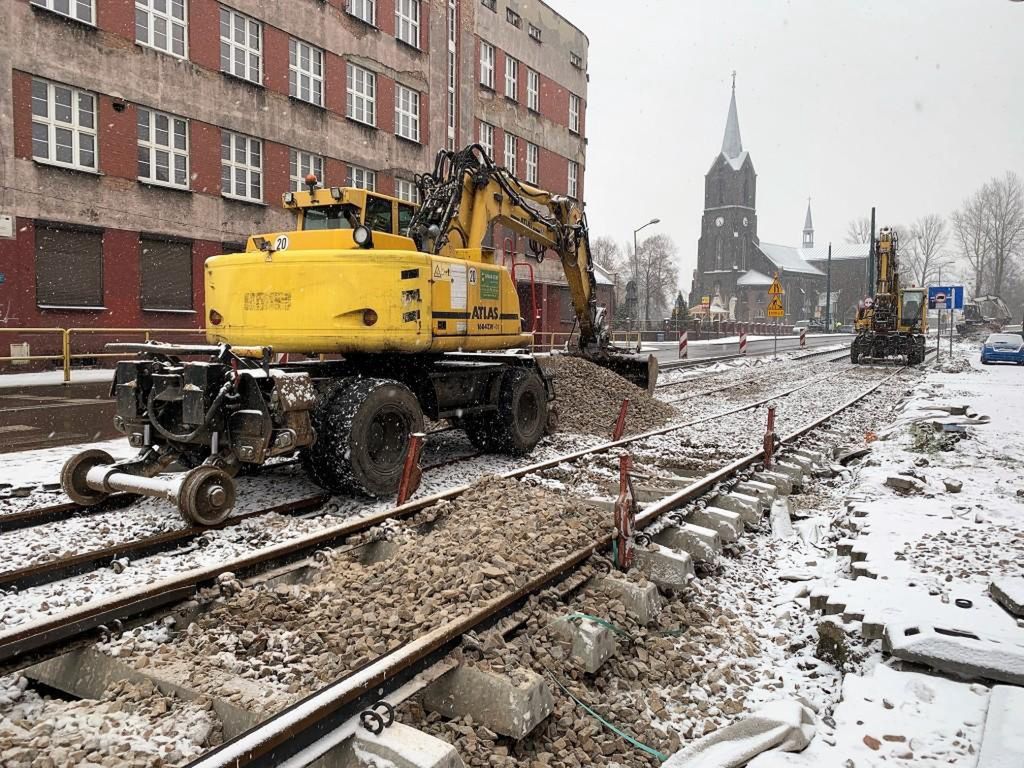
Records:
x=72, y=476
x=206, y=496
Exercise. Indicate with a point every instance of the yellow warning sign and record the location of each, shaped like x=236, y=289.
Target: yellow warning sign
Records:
x=775, y=308
x=776, y=287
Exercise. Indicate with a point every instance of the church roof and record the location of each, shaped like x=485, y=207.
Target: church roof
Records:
x=789, y=259
x=753, y=278
x=732, y=145
x=840, y=251
x=807, y=221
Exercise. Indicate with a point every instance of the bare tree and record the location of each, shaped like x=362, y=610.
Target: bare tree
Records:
x=969, y=235
x=1004, y=226
x=858, y=230
x=655, y=270
x=607, y=253
x=924, y=249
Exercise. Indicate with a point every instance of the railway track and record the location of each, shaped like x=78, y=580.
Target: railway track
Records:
x=675, y=365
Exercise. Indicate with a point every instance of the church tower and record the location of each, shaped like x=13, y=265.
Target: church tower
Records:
x=808, y=241
x=729, y=226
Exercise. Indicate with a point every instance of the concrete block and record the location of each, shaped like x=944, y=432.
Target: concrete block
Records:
x=814, y=457
x=641, y=599
x=592, y=643
x=792, y=457
x=728, y=524
x=793, y=471
x=1001, y=742
x=747, y=507
x=956, y=651
x=783, y=483
x=780, y=518
x=397, y=746
x=511, y=708
x=904, y=484
x=766, y=493
x=666, y=567
x=1009, y=593
x=702, y=544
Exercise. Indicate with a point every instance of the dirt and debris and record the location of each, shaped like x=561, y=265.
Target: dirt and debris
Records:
x=588, y=399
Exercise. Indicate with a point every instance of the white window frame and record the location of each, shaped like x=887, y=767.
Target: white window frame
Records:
x=241, y=169
x=364, y=10
x=533, y=90
x=300, y=165
x=512, y=78
x=512, y=153
x=75, y=9
x=532, y=163
x=407, y=191
x=164, y=143
x=575, y=102
x=487, y=137
x=575, y=59
x=305, y=72
x=487, y=59
x=166, y=20
x=407, y=22
x=573, y=181
x=231, y=47
x=491, y=5
x=81, y=125
x=407, y=113
x=452, y=76
x=513, y=18
x=534, y=32
x=362, y=178
x=361, y=90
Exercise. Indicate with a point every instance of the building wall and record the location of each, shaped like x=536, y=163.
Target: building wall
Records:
x=849, y=280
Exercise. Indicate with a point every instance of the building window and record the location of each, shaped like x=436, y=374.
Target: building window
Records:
x=407, y=22
x=491, y=5
x=162, y=24
x=513, y=18
x=241, y=46
x=532, y=90
x=487, y=138
x=534, y=32
x=574, y=176
x=511, y=153
x=407, y=113
x=80, y=10
x=241, y=167
x=511, y=78
x=532, y=163
x=365, y=10
x=63, y=125
x=576, y=60
x=574, y=113
x=300, y=165
x=163, y=148
x=407, y=190
x=166, y=269
x=305, y=72
x=362, y=178
x=362, y=95
x=69, y=267
x=487, y=64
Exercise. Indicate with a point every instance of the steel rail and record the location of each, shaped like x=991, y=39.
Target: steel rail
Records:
x=64, y=511
x=45, y=637
x=301, y=725
x=798, y=358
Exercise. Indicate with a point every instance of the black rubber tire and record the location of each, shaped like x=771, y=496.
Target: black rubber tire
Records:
x=522, y=412
x=484, y=432
x=72, y=476
x=362, y=428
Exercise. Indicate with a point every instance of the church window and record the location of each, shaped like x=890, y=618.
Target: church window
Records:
x=746, y=190
x=718, y=253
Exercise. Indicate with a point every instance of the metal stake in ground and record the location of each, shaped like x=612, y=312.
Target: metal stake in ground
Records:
x=620, y=423
x=412, y=473
x=803, y=338
x=743, y=340
x=769, y=438
x=625, y=517
x=684, y=342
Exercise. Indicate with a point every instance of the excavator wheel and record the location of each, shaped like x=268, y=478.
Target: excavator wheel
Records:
x=362, y=428
x=520, y=421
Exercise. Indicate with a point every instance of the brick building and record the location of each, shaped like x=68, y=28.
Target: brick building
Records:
x=139, y=138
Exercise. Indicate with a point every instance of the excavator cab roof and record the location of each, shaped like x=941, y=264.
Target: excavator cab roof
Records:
x=347, y=208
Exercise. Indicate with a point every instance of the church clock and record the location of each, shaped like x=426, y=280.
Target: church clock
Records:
x=719, y=221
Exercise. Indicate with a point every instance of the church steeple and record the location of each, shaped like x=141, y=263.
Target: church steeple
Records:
x=808, y=241
x=732, y=146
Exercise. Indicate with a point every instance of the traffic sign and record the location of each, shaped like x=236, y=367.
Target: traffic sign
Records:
x=776, y=287
x=775, y=308
x=705, y=301
x=946, y=297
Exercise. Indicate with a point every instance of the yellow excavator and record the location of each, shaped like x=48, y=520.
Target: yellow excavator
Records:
x=399, y=312
x=894, y=321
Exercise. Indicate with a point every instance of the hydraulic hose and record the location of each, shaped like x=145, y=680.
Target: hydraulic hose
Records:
x=215, y=407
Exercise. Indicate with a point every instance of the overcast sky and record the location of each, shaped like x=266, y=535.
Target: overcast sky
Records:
x=908, y=105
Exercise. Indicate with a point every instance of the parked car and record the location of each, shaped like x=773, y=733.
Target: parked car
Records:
x=1003, y=348
x=812, y=326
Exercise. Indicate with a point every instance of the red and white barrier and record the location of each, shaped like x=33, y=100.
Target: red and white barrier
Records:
x=684, y=342
x=803, y=337
x=743, y=341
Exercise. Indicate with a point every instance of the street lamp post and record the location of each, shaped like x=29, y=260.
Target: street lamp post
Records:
x=635, y=257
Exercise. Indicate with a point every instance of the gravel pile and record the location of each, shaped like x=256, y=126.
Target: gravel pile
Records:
x=132, y=726
x=588, y=398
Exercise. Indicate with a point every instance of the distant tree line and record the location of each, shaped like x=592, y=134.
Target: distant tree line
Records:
x=647, y=278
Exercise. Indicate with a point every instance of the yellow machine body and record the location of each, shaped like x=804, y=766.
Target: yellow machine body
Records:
x=315, y=291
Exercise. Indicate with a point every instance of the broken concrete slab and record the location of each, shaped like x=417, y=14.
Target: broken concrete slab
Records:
x=905, y=484
x=1001, y=743
x=667, y=568
x=592, y=643
x=956, y=651
x=747, y=507
x=1009, y=593
x=845, y=455
x=781, y=520
x=793, y=471
x=398, y=745
x=953, y=486
x=511, y=707
x=815, y=457
x=782, y=482
x=641, y=599
x=702, y=544
x=728, y=525
x=763, y=491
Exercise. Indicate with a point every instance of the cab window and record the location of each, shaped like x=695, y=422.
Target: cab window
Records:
x=405, y=213
x=329, y=217
x=378, y=214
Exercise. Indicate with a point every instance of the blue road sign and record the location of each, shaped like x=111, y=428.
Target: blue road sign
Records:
x=946, y=297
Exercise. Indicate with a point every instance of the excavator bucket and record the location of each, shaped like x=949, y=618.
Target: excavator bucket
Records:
x=641, y=370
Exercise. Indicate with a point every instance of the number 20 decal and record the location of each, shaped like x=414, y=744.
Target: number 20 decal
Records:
x=281, y=244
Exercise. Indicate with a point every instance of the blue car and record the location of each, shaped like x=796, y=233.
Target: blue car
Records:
x=1003, y=348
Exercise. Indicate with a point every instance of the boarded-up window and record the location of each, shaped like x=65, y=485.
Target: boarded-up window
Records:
x=69, y=267
x=166, y=267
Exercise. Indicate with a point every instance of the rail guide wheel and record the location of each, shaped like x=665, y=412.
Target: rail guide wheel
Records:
x=74, y=471
x=206, y=496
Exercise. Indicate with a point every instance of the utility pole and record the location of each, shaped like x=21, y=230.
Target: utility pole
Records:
x=828, y=292
x=871, y=257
